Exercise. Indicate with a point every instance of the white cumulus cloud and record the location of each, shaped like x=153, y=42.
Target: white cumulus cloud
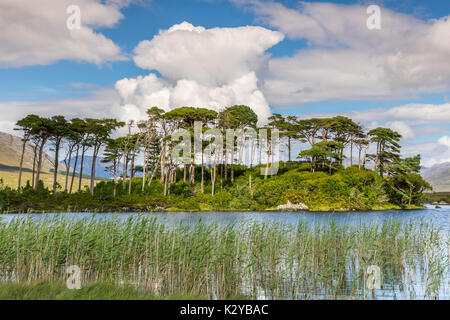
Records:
x=445, y=141
x=211, y=57
x=209, y=68
x=401, y=127
x=139, y=94
x=36, y=33
x=345, y=60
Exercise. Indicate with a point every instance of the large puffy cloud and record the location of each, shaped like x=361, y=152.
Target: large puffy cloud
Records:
x=346, y=60
x=38, y=34
x=140, y=93
x=212, y=57
x=211, y=68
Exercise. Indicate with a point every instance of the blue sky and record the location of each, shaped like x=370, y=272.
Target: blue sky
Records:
x=144, y=20
x=56, y=80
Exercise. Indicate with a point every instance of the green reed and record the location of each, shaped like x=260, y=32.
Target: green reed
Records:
x=256, y=260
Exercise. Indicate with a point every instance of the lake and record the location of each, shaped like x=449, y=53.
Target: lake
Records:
x=440, y=217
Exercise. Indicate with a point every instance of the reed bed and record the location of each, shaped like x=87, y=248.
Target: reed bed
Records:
x=261, y=261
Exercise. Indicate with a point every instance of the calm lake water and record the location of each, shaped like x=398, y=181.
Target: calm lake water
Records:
x=440, y=217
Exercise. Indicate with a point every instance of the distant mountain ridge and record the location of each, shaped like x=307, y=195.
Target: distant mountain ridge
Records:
x=11, y=151
x=100, y=168
x=438, y=176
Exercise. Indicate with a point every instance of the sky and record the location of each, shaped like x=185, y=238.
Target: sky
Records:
x=309, y=59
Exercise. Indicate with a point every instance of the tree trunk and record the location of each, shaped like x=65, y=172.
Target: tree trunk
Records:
x=163, y=161
x=260, y=153
x=125, y=169
x=39, y=166
x=55, y=174
x=364, y=160
x=289, y=151
x=131, y=172
x=174, y=174
x=68, y=168
x=359, y=159
x=213, y=181
x=268, y=159
x=221, y=171
x=94, y=160
x=226, y=166
x=116, y=164
x=377, y=157
x=202, y=183
x=25, y=140
x=74, y=168
x=381, y=159
x=81, y=168
x=34, y=164
x=351, y=151
x=145, y=170
x=232, y=164
x=166, y=176
x=252, y=153
x=153, y=173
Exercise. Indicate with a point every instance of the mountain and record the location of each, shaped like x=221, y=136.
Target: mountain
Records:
x=100, y=168
x=11, y=149
x=10, y=152
x=438, y=176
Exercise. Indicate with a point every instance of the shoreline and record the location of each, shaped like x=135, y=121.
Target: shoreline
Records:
x=174, y=210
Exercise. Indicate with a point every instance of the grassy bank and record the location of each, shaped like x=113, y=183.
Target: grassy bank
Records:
x=94, y=291
x=270, y=260
x=11, y=178
x=438, y=197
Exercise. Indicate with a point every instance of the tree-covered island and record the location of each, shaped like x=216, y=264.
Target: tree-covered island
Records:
x=154, y=169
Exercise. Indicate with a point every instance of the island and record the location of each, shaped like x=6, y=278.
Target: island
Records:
x=196, y=159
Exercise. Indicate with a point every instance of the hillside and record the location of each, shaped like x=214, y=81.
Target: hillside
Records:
x=438, y=176
x=11, y=148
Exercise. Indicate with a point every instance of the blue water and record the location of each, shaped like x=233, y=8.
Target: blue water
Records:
x=439, y=217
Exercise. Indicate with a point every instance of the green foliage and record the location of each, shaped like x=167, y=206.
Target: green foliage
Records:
x=350, y=189
x=210, y=261
x=92, y=291
x=405, y=185
x=320, y=182
x=237, y=117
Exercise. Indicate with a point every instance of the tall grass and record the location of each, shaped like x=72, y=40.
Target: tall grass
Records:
x=272, y=261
